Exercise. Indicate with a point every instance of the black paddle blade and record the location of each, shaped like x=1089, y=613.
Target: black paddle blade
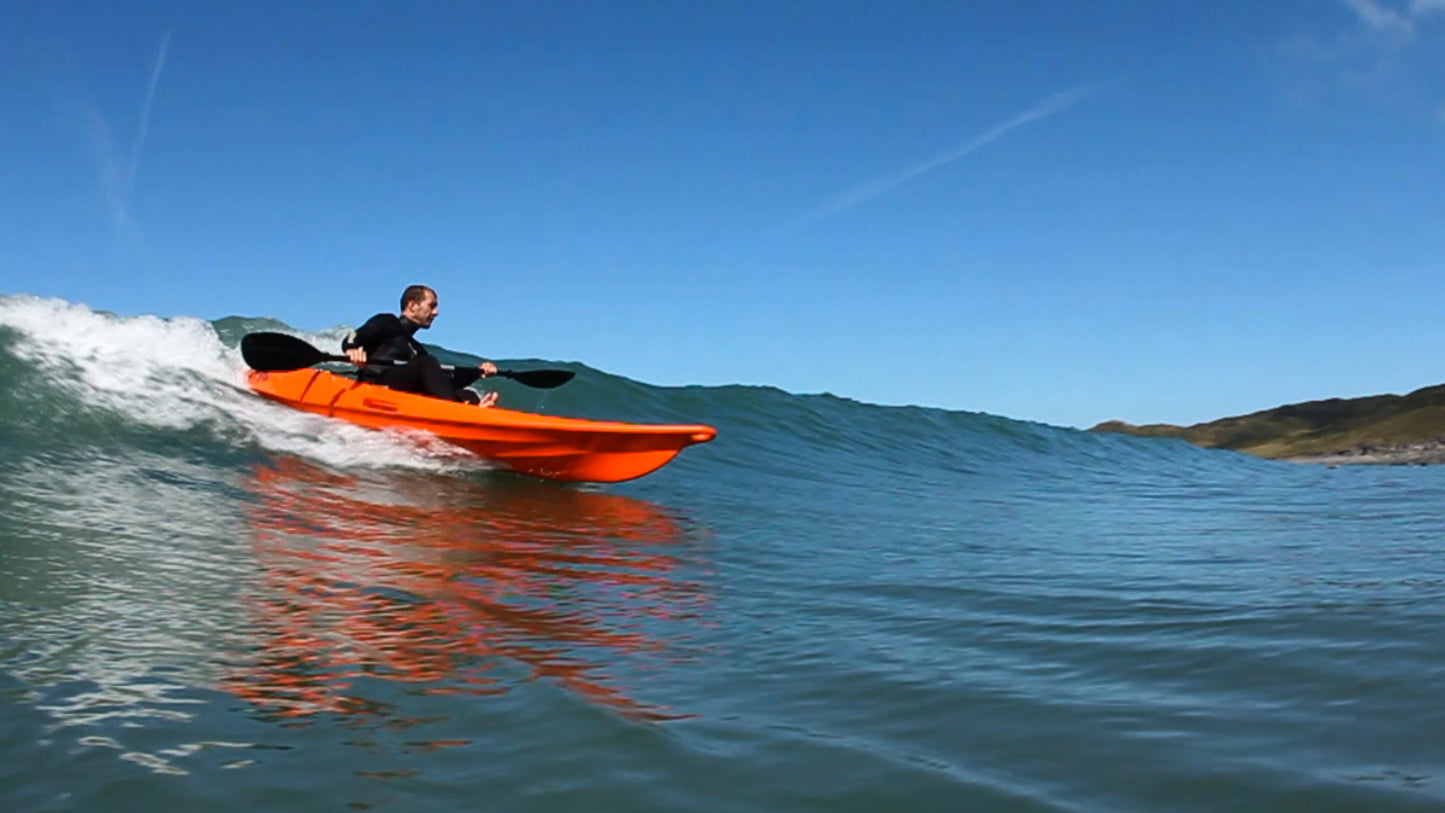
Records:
x=540, y=379
x=274, y=352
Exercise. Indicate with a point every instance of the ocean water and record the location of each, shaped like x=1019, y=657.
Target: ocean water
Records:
x=209, y=602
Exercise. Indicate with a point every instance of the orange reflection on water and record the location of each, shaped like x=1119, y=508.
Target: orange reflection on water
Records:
x=444, y=581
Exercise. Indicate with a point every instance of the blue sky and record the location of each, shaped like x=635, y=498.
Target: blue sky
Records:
x=1054, y=211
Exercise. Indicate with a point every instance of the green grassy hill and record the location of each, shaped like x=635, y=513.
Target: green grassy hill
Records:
x=1315, y=427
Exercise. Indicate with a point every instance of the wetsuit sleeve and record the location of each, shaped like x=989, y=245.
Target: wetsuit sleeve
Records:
x=465, y=376
x=370, y=335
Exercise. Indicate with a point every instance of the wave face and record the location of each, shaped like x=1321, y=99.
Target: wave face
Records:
x=206, y=597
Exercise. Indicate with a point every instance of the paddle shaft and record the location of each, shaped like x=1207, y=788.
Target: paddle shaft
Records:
x=448, y=367
x=275, y=352
x=371, y=362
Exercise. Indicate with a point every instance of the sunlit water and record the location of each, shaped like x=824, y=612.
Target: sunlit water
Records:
x=209, y=602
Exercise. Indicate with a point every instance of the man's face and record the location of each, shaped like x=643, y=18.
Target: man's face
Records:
x=422, y=312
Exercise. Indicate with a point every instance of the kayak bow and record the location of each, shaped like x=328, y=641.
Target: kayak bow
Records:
x=553, y=448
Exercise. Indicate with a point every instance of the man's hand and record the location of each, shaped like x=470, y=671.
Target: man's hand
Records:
x=488, y=369
x=357, y=355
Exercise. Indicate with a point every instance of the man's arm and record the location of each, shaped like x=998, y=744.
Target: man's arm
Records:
x=369, y=335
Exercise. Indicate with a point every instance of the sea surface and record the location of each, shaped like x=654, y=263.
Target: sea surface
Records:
x=211, y=602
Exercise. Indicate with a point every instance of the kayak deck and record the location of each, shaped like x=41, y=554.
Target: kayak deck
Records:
x=553, y=448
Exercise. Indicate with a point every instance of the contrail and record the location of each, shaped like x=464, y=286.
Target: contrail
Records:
x=145, y=114
x=1056, y=103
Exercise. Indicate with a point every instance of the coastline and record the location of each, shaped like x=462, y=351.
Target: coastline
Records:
x=1415, y=453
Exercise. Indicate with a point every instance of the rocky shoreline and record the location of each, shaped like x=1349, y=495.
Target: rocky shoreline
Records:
x=1417, y=453
x=1380, y=430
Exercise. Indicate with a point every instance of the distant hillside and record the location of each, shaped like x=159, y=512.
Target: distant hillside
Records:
x=1316, y=428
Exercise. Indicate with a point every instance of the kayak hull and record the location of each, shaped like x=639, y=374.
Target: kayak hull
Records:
x=552, y=448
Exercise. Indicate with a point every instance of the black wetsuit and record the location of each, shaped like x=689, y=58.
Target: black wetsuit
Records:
x=387, y=337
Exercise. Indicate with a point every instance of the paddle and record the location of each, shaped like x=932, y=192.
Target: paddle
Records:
x=276, y=352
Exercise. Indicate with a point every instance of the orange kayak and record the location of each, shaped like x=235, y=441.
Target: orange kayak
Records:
x=552, y=448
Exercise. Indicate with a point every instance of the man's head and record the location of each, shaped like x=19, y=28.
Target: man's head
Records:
x=419, y=305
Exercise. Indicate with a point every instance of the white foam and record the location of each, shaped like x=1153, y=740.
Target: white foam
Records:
x=177, y=374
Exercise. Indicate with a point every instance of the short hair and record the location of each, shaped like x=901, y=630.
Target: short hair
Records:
x=415, y=293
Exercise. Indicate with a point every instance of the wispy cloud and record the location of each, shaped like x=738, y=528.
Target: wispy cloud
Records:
x=1051, y=106
x=109, y=163
x=1394, y=20
x=1378, y=54
x=118, y=169
x=1382, y=18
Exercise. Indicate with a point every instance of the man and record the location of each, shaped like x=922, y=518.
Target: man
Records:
x=391, y=338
